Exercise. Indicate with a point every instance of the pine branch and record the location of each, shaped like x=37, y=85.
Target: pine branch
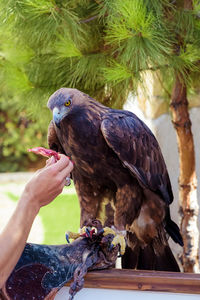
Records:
x=89, y=19
x=73, y=43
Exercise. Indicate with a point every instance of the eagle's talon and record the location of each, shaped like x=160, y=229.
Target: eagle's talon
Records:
x=117, y=240
x=87, y=232
x=111, y=247
x=83, y=231
x=67, y=238
x=108, y=230
x=101, y=231
x=71, y=235
x=120, y=240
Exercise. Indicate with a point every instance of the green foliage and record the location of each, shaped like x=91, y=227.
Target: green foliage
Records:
x=101, y=47
x=93, y=45
x=46, y=17
x=17, y=134
x=116, y=73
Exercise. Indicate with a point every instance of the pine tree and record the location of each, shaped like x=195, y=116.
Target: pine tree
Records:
x=105, y=48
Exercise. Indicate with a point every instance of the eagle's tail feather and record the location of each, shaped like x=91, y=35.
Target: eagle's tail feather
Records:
x=173, y=230
x=147, y=258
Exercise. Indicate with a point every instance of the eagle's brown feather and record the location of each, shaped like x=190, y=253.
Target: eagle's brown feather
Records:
x=53, y=140
x=119, y=172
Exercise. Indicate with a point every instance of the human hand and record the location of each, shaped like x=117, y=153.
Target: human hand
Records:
x=48, y=182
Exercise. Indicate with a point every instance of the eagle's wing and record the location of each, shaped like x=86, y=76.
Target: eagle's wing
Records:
x=138, y=150
x=53, y=140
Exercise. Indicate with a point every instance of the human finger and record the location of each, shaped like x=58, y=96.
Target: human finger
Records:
x=62, y=163
x=66, y=171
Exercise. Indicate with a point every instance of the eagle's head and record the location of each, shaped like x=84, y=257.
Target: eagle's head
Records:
x=62, y=102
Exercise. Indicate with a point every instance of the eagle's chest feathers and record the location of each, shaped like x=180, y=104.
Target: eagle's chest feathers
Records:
x=84, y=142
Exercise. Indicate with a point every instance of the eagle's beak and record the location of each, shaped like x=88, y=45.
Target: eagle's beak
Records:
x=59, y=114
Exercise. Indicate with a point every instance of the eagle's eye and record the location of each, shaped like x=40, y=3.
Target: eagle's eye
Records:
x=68, y=102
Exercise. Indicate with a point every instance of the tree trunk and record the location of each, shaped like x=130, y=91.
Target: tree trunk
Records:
x=187, y=176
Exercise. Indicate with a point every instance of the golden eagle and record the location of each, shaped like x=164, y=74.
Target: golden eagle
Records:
x=119, y=173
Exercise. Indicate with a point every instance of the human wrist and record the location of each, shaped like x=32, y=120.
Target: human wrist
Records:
x=27, y=200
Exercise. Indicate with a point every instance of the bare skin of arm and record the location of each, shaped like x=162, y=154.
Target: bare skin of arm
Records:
x=42, y=189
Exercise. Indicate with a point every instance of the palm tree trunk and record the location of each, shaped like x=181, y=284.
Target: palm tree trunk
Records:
x=187, y=176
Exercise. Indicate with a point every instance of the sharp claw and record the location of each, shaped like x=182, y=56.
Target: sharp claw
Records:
x=87, y=231
x=101, y=231
x=67, y=238
x=111, y=247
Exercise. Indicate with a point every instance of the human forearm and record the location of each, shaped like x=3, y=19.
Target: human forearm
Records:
x=14, y=236
x=43, y=188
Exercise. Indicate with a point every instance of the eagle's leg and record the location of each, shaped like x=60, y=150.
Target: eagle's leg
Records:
x=127, y=205
x=89, y=200
x=118, y=239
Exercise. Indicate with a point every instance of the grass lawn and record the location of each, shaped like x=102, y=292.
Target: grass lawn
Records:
x=59, y=216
